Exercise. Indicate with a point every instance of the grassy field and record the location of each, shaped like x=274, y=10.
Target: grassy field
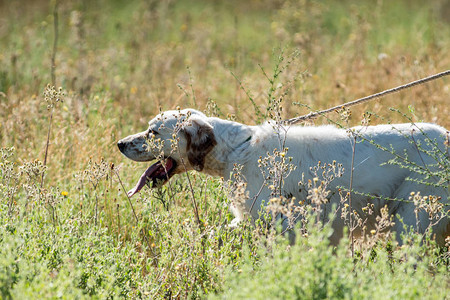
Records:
x=67, y=229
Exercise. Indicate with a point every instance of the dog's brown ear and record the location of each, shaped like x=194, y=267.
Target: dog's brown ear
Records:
x=200, y=141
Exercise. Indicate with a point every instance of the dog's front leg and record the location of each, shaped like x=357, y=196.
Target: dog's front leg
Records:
x=234, y=223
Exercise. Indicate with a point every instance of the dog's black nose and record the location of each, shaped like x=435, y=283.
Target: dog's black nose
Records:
x=121, y=145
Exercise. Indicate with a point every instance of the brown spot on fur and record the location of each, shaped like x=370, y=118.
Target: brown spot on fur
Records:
x=199, y=146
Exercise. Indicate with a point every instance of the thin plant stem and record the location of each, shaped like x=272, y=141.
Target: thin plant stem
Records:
x=47, y=145
x=53, y=76
x=350, y=195
x=194, y=99
x=194, y=203
x=258, y=112
x=96, y=208
x=128, y=197
x=55, y=42
x=132, y=208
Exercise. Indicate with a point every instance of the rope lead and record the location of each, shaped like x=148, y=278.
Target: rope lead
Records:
x=312, y=115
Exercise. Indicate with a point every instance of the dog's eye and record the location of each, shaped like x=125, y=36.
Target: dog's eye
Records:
x=153, y=132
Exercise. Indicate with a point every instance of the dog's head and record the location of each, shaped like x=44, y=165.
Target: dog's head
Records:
x=179, y=139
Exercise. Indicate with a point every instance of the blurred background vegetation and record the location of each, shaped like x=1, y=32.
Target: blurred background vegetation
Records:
x=121, y=61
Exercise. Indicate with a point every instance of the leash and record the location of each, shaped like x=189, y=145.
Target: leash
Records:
x=315, y=114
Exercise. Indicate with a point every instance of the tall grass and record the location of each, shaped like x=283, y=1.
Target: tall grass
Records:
x=118, y=63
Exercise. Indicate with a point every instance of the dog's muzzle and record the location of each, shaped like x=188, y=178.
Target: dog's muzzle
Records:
x=121, y=145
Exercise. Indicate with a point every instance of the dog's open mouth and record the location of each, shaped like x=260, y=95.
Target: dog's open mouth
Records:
x=157, y=173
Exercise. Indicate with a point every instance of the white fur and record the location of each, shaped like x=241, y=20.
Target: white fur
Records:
x=242, y=144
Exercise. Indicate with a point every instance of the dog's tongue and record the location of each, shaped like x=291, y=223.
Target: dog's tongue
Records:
x=148, y=174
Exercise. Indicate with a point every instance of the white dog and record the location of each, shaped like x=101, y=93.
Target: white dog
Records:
x=389, y=163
